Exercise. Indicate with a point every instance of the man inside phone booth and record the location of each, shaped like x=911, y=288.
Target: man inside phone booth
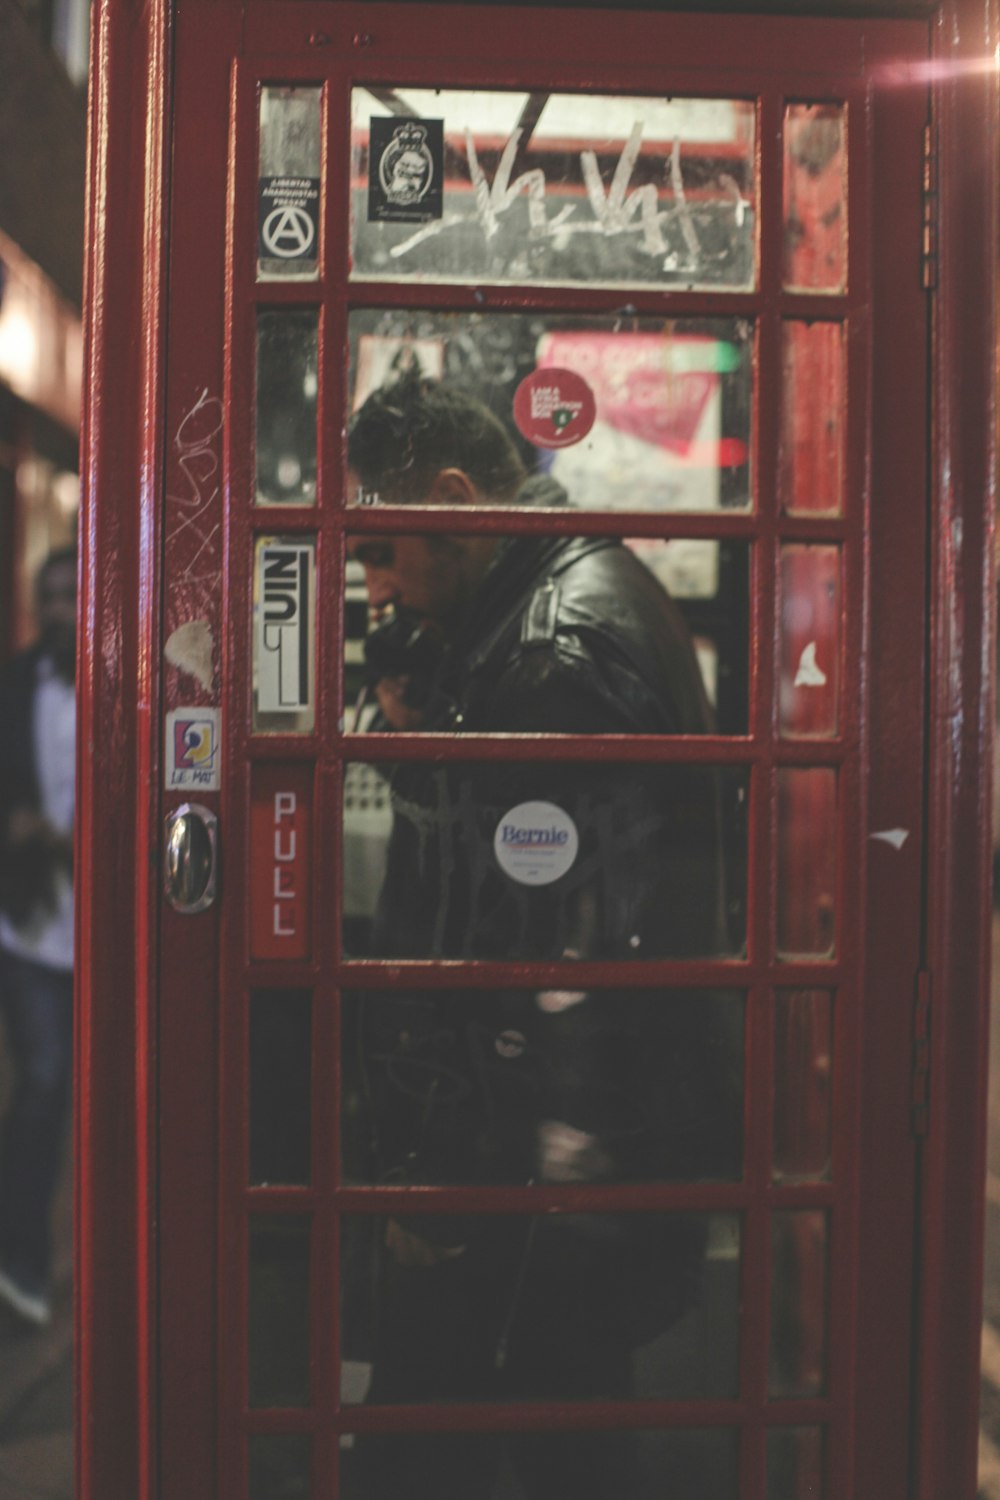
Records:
x=540, y=860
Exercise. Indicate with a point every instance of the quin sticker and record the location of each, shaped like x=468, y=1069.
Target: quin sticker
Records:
x=536, y=843
x=405, y=170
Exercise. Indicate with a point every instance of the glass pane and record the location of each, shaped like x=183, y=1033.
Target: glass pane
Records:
x=509, y=861
x=795, y=1463
x=287, y=385
x=279, y=1466
x=810, y=640
x=280, y=1077
x=797, y=1365
x=547, y=635
x=279, y=1318
x=682, y=1464
x=544, y=1086
x=547, y=1307
x=455, y=185
x=813, y=418
x=288, y=188
x=284, y=634
x=807, y=862
x=815, y=197
x=803, y=1083
x=600, y=413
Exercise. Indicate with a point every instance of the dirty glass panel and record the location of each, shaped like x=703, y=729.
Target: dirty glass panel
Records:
x=287, y=386
x=690, y=1464
x=597, y=413
x=807, y=862
x=418, y=609
x=803, y=1083
x=813, y=418
x=546, y=862
x=279, y=1466
x=279, y=1319
x=288, y=189
x=551, y=1086
x=284, y=634
x=815, y=198
x=810, y=640
x=797, y=1364
x=570, y=189
x=280, y=1079
x=541, y=1307
x=795, y=1463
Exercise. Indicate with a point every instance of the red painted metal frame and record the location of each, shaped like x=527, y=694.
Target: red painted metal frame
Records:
x=128, y=447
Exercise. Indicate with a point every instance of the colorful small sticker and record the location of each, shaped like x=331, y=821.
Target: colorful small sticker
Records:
x=554, y=408
x=193, y=749
x=536, y=843
x=405, y=170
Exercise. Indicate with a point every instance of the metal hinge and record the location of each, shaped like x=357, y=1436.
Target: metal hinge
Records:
x=929, y=245
x=921, y=1083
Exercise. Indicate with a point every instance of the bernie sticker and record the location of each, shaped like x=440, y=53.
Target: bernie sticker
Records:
x=405, y=170
x=536, y=843
x=554, y=408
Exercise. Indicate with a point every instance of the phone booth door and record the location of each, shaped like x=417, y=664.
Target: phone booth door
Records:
x=540, y=555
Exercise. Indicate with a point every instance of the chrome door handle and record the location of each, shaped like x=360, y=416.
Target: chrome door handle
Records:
x=190, y=858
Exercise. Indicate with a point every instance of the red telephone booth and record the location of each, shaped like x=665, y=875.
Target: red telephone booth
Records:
x=708, y=1217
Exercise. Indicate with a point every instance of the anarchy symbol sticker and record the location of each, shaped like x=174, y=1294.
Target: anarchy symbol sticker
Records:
x=287, y=232
x=288, y=221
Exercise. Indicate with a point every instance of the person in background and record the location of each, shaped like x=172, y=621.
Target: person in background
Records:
x=37, y=780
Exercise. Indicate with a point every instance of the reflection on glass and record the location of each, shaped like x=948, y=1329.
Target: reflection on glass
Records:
x=797, y=1365
x=807, y=862
x=279, y=1466
x=645, y=636
x=815, y=197
x=289, y=183
x=803, y=1064
x=795, y=1463
x=548, y=1307
x=455, y=185
x=280, y=1074
x=813, y=417
x=514, y=861
x=810, y=640
x=798, y=1304
x=279, y=1319
x=649, y=414
x=553, y=1086
x=284, y=634
x=689, y=1463
x=287, y=386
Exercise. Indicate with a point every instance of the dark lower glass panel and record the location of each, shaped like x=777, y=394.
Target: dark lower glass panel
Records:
x=574, y=1307
x=679, y=1464
x=795, y=1463
x=279, y=1316
x=508, y=861
x=279, y=1466
x=280, y=1073
x=554, y=1086
x=799, y=1290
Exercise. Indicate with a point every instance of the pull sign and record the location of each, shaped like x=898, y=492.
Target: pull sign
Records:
x=284, y=586
x=280, y=862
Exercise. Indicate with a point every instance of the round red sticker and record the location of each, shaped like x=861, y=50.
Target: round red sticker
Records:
x=554, y=408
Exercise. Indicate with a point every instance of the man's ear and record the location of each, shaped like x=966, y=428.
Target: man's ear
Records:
x=452, y=487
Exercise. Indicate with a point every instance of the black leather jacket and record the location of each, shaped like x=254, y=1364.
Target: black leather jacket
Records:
x=483, y=1086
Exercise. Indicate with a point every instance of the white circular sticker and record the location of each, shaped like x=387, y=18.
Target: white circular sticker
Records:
x=535, y=843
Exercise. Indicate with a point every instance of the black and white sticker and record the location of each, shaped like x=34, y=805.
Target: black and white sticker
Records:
x=288, y=219
x=284, y=581
x=405, y=170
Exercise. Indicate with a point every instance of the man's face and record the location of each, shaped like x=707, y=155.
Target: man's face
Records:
x=57, y=613
x=408, y=176
x=427, y=574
